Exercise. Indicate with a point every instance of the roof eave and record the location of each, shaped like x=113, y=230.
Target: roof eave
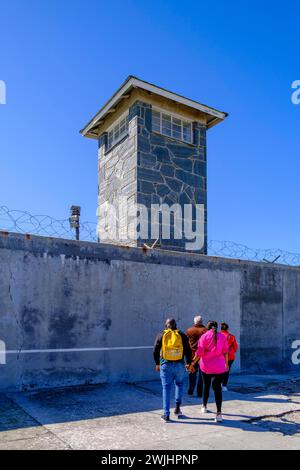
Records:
x=212, y=122
x=133, y=82
x=113, y=101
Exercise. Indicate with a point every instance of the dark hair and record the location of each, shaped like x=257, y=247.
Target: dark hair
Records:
x=213, y=325
x=171, y=324
x=224, y=326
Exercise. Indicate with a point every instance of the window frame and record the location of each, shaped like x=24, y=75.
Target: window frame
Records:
x=115, y=128
x=183, y=121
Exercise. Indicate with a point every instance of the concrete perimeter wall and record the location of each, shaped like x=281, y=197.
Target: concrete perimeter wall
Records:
x=60, y=297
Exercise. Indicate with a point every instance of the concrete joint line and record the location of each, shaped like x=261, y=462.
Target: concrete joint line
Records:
x=66, y=350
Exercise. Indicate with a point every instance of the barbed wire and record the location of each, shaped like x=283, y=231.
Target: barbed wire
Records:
x=228, y=249
x=24, y=222
x=44, y=225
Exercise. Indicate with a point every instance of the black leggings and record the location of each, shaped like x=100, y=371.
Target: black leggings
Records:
x=216, y=381
x=226, y=375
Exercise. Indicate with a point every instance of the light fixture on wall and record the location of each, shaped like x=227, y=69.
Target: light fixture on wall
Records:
x=75, y=220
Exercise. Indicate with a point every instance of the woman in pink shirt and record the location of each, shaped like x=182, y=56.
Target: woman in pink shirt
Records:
x=213, y=353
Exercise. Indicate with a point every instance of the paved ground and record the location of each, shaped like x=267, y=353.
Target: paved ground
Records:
x=261, y=412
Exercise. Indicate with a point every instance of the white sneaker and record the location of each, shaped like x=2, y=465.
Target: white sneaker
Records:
x=218, y=418
x=204, y=409
x=224, y=389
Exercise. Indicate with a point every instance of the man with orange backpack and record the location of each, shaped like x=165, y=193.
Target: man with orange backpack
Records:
x=233, y=347
x=170, y=348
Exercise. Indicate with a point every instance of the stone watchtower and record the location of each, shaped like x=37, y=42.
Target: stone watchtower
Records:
x=152, y=151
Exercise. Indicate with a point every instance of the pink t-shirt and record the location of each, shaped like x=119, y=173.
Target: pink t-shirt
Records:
x=212, y=360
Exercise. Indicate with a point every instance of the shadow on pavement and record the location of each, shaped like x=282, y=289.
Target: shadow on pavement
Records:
x=36, y=408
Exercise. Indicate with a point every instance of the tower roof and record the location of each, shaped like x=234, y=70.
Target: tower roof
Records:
x=212, y=115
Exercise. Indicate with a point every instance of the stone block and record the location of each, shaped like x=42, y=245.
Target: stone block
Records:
x=144, y=199
x=155, y=199
x=203, y=136
x=162, y=154
x=147, y=187
x=188, y=178
x=183, y=163
x=182, y=151
x=129, y=163
x=167, y=170
x=148, y=119
x=174, y=184
x=143, y=144
x=150, y=175
x=147, y=160
x=157, y=139
x=184, y=199
x=162, y=190
x=199, y=168
x=189, y=191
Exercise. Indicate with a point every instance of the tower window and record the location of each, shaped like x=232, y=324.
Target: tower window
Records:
x=172, y=126
x=117, y=131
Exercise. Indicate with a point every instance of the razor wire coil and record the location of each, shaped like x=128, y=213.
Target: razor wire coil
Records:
x=45, y=225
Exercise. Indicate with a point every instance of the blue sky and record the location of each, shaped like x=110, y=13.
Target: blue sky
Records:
x=61, y=60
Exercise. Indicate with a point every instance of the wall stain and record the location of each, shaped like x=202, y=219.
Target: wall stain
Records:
x=105, y=323
x=60, y=330
x=30, y=320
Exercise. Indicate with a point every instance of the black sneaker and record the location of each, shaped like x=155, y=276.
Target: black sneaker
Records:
x=165, y=418
x=178, y=411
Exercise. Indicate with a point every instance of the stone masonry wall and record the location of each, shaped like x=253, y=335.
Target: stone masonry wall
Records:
x=117, y=178
x=170, y=171
x=149, y=168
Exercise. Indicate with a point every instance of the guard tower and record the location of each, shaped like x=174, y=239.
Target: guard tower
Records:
x=152, y=154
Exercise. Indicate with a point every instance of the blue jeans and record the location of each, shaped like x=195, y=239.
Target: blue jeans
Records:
x=172, y=372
